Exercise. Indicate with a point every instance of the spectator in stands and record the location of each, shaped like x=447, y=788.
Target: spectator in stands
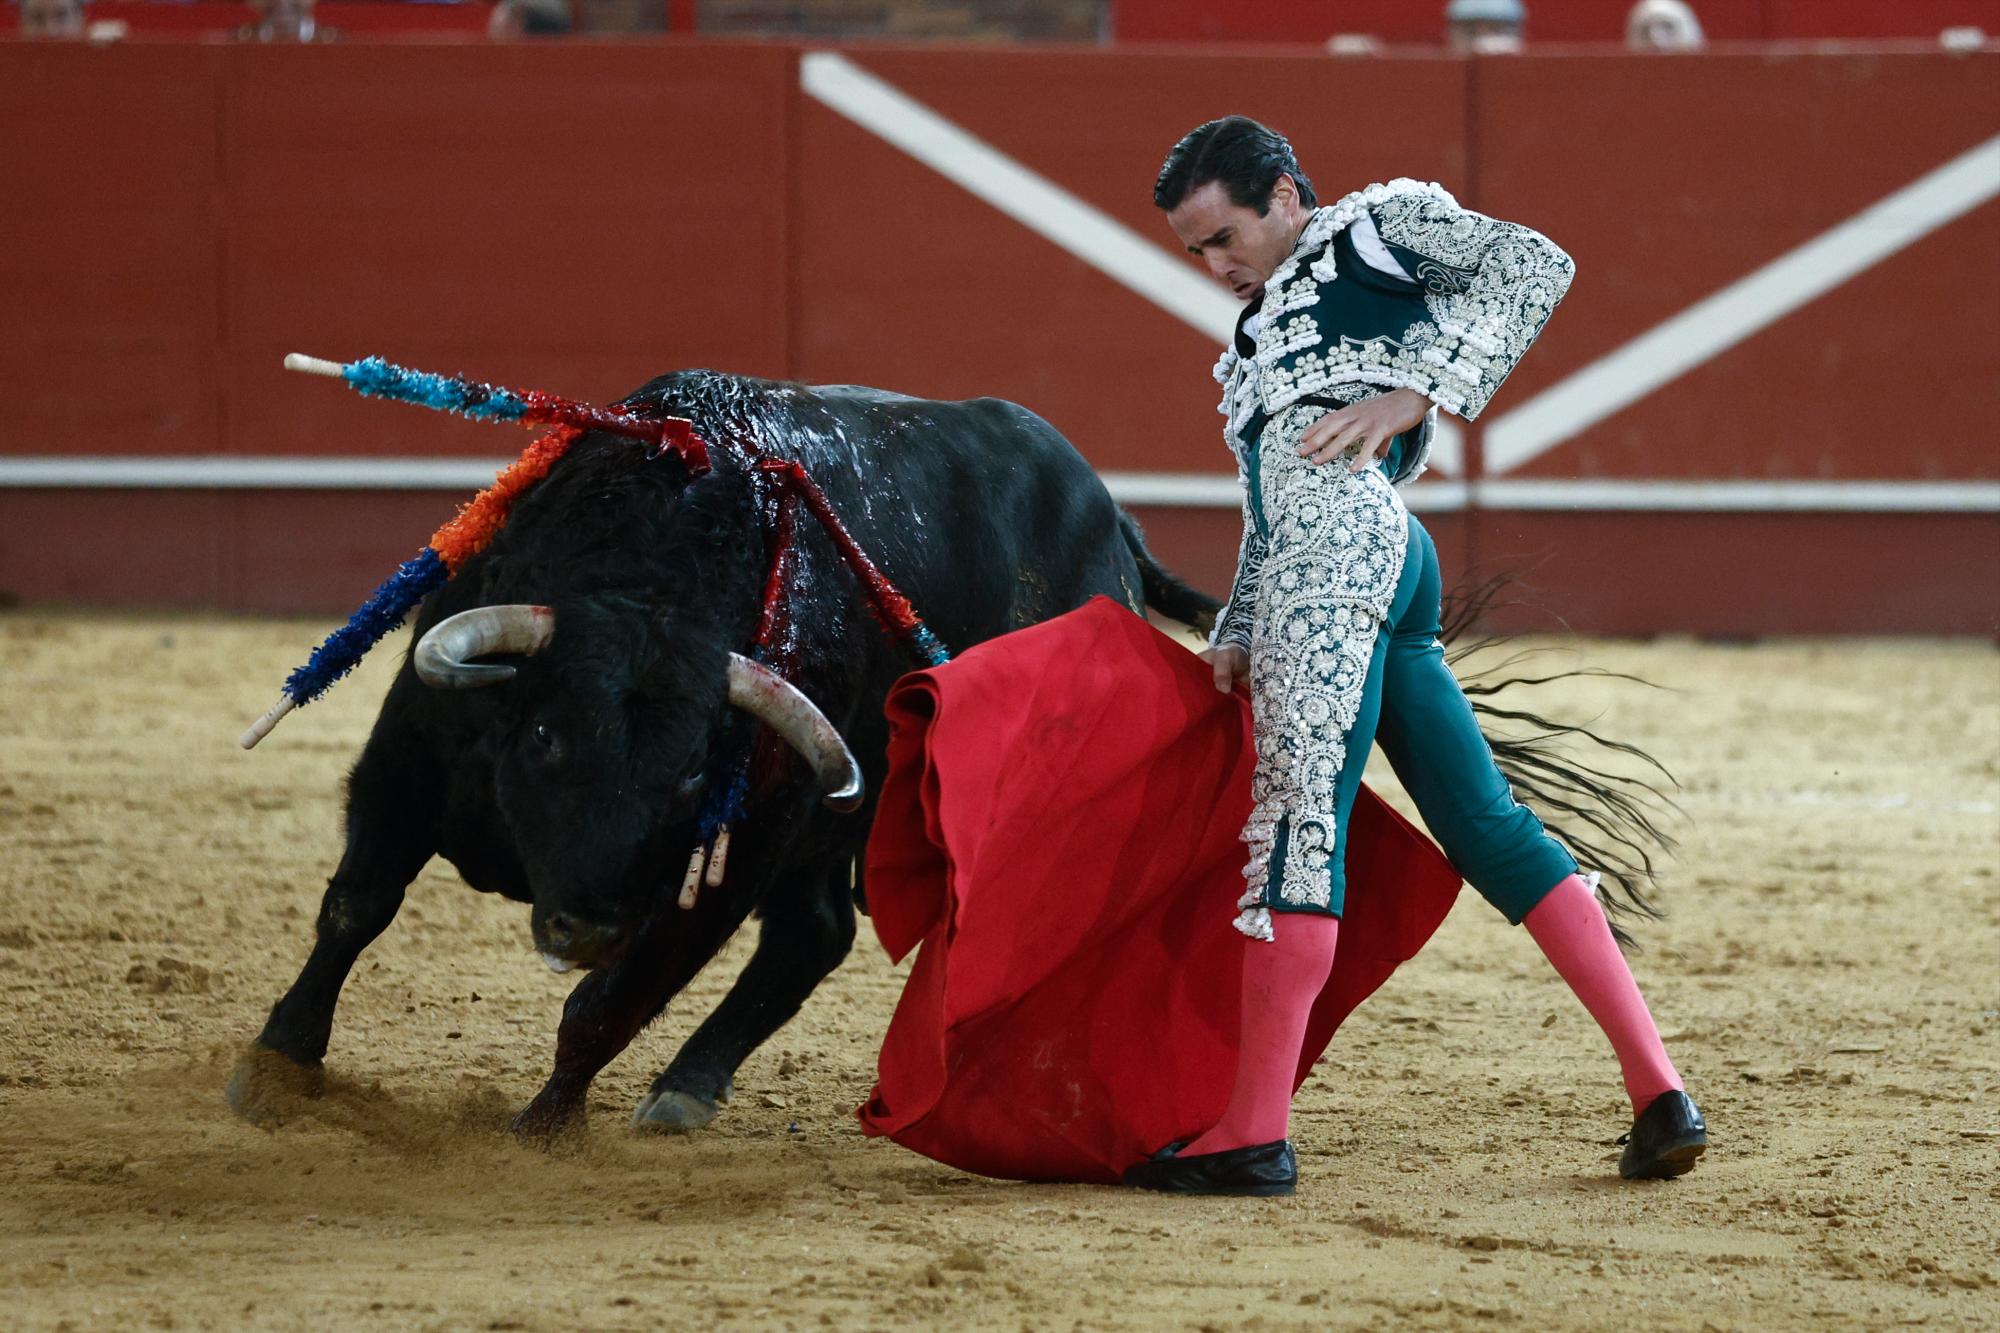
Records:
x=284, y=21
x=1353, y=44
x=1485, y=27
x=52, y=18
x=1663, y=25
x=528, y=18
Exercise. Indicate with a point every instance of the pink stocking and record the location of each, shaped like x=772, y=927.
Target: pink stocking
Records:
x=1281, y=979
x=1569, y=925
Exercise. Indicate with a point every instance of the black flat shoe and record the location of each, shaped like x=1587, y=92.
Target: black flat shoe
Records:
x=1258, y=1171
x=1665, y=1140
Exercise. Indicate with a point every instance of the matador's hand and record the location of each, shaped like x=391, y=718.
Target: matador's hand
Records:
x=1230, y=664
x=1364, y=430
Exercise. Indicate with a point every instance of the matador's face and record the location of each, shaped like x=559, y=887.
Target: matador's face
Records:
x=1241, y=248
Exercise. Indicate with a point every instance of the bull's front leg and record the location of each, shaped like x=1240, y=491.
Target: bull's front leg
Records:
x=803, y=939
x=388, y=842
x=612, y=1004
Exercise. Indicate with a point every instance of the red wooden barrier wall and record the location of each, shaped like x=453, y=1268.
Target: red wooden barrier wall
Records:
x=1099, y=127
x=580, y=217
x=1025, y=320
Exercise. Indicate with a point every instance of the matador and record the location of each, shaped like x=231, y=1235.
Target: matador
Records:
x=1362, y=320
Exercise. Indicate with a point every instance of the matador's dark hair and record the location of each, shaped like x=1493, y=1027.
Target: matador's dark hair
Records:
x=1246, y=157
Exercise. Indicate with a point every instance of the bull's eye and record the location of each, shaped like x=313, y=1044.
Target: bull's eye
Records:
x=544, y=737
x=692, y=787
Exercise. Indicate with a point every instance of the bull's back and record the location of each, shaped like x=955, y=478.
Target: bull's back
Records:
x=981, y=510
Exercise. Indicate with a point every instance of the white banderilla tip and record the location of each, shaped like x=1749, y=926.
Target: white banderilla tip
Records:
x=692, y=880
x=312, y=365
x=718, y=859
x=261, y=728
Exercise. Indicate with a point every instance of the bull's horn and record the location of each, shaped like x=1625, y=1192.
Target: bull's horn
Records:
x=444, y=655
x=760, y=692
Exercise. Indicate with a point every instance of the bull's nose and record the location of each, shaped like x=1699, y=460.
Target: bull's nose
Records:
x=567, y=938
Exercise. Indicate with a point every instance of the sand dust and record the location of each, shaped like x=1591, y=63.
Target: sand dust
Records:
x=1829, y=981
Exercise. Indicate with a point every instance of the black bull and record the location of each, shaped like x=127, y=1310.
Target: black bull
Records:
x=575, y=785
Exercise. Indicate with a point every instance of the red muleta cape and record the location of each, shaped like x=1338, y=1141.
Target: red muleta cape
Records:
x=1060, y=828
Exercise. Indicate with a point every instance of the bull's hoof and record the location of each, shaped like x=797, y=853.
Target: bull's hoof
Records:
x=671, y=1111
x=543, y=1124
x=267, y=1088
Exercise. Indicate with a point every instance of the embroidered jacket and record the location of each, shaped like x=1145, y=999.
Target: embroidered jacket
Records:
x=1470, y=295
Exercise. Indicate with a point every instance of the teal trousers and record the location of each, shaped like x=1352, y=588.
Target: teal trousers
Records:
x=1413, y=707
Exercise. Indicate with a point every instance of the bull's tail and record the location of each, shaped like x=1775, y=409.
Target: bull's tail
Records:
x=1164, y=592
x=1570, y=774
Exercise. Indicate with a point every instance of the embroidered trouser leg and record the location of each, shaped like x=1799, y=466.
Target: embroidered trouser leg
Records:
x=1332, y=565
x=1432, y=739
x=1314, y=730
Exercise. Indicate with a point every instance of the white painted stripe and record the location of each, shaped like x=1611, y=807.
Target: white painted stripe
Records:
x=1448, y=447
x=1915, y=497
x=1172, y=490
x=1032, y=200
x=1194, y=490
x=242, y=472
x=1719, y=322
x=1437, y=497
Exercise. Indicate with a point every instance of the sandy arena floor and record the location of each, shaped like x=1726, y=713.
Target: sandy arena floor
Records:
x=1829, y=981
